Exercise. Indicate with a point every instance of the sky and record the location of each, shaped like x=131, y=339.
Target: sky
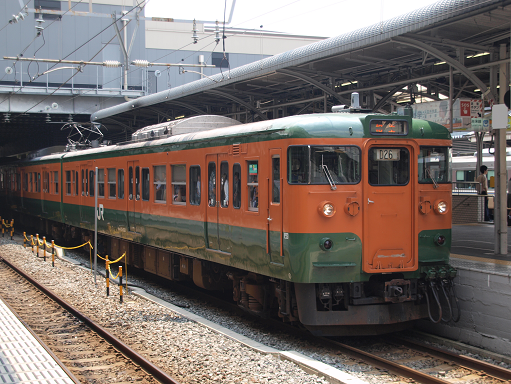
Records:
x=324, y=18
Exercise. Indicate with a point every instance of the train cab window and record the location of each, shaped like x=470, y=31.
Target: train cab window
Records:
x=275, y=182
x=68, y=182
x=253, y=185
x=336, y=164
x=91, y=183
x=236, y=186
x=212, y=184
x=179, y=184
x=298, y=165
x=389, y=166
x=435, y=165
x=101, y=182
x=111, y=183
x=195, y=185
x=224, y=184
x=145, y=184
x=160, y=183
x=120, y=183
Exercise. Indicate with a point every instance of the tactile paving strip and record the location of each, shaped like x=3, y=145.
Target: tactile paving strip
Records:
x=22, y=358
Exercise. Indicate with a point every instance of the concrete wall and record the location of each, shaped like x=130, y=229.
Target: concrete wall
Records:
x=485, y=301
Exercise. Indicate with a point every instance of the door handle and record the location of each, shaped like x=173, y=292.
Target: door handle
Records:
x=369, y=201
x=269, y=219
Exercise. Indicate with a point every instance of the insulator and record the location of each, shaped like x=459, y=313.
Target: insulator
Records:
x=111, y=64
x=217, y=33
x=140, y=63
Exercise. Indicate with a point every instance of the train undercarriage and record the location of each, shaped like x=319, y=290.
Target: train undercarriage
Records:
x=385, y=303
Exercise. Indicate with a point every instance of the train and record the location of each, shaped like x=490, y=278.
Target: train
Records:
x=340, y=222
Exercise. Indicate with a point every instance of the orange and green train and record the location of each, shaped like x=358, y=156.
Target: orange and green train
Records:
x=339, y=221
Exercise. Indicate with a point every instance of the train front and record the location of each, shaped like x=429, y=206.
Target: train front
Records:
x=369, y=223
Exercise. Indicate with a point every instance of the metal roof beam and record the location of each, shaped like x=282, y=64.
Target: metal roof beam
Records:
x=185, y=105
x=310, y=80
x=449, y=42
x=237, y=100
x=449, y=60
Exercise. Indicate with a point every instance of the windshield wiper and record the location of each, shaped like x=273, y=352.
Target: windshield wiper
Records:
x=428, y=171
x=329, y=177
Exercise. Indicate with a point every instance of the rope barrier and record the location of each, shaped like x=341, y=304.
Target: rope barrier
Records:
x=43, y=243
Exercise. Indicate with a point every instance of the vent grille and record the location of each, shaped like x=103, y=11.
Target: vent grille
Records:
x=236, y=149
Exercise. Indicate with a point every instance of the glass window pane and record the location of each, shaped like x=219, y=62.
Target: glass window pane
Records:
x=131, y=182
x=212, y=184
x=137, y=183
x=120, y=183
x=236, y=188
x=298, y=165
x=341, y=164
x=275, y=179
x=91, y=183
x=224, y=184
x=253, y=186
x=435, y=165
x=101, y=182
x=160, y=183
x=179, y=184
x=111, y=183
x=385, y=171
x=145, y=184
x=195, y=185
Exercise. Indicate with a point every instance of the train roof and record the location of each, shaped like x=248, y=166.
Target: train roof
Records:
x=322, y=125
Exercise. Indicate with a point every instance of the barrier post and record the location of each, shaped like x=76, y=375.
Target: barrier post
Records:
x=107, y=275
x=120, y=283
x=25, y=240
x=53, y=253
x=32, y=242
x=44, y=248
x=12, y=229
x=37, y=245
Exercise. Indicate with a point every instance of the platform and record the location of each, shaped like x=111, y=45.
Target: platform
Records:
x=23, y=359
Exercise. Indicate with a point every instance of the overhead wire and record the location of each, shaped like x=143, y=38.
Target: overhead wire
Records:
x=21, y=10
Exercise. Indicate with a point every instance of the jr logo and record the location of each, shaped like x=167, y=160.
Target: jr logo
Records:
x=100, y=212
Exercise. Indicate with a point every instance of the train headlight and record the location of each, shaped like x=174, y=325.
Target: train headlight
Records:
x=441, y=207
x=326, y=208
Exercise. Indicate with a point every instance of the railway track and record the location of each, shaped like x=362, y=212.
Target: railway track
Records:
x=422, y=363
x=87, y=350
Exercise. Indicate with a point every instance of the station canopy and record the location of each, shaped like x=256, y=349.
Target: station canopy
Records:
x=452, y=47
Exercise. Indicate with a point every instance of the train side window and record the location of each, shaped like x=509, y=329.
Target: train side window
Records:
x=111, y=183
x=179, y=184
x=25, y=182
x=101, y=182
x=18, y=181
x=120, y=183
x=68, y=182
x=195, y=185
x=56, y=181
x=46, y=181
x=38, y=182
x=253, y=186
x=160, y=183
x=145, y=184
x=137, y=183
x=224, y=184
x=236, y=186
x=212, y=184
x=31, y=183
x=91, y=183
x=275, y=180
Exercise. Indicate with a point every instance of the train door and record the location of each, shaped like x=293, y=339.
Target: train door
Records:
x=274, y=218
x=213, y=202
x=134, y=215
x=389, y=215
